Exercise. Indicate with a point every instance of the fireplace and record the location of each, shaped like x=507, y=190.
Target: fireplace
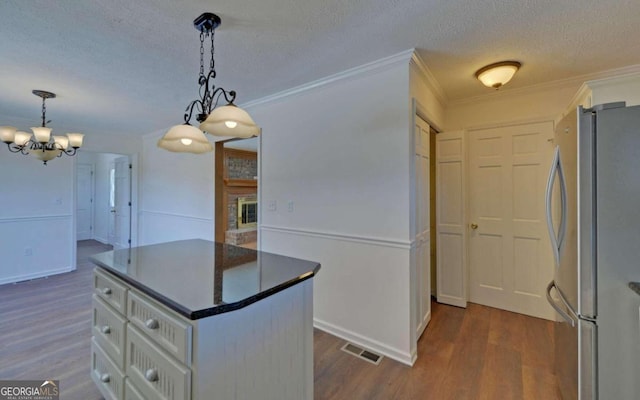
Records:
x=247, y=212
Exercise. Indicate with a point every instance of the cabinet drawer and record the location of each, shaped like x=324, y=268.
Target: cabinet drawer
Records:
x=105, y=374
x=130, y=391
x=109, y=330
x=154, y=373
x=109, y=290
x=169, y=332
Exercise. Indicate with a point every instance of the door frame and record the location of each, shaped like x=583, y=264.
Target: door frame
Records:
x=134, y=159
x=418, y=111
x=93, y=196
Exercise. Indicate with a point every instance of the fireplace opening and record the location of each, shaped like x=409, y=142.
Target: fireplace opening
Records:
x=247, y=212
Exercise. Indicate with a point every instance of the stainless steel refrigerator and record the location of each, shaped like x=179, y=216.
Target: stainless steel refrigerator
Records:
x=593, y=214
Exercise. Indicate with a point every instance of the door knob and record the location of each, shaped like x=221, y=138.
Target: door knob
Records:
x=113, y=211
x=474, y=226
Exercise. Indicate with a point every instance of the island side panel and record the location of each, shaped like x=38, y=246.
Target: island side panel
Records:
x=262, y=351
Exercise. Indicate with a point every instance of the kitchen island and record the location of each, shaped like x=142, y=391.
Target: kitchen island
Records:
x=195, y=319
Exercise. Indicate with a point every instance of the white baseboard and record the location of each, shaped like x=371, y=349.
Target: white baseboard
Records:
x=101, y=240
x=41, y=274
x=452, y=301
x=367, y=343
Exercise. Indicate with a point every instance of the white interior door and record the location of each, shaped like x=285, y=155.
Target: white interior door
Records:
x=451, y=231
x=84, y=201
x=122, y=203
x=509, y=260
x=422, y=226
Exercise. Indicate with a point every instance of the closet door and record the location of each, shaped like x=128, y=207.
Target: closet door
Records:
x=509, y=264
x=422, y=224
x=451, y=225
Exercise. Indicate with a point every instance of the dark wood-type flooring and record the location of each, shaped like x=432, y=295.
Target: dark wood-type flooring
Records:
x=477, y=353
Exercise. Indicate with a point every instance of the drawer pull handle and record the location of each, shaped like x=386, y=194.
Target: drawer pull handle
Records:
x=152, y=323
x=105, y=378
x=106, y=329
x=106, y=291
x=151, y=375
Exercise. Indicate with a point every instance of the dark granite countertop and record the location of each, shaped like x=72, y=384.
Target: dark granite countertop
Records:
x=635, y=286
x=198, y=278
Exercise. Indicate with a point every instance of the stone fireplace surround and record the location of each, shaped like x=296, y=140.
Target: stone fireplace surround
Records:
x=240, y=171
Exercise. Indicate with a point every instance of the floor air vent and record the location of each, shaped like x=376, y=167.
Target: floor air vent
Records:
x=366, y=355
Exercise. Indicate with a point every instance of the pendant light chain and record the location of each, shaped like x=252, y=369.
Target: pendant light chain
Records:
x=44, y=111
x=212, y=64
x=201, y=56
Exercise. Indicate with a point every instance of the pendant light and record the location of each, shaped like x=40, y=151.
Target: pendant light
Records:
x=228, y=120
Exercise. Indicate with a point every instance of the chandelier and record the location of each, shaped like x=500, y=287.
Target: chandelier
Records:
x=228, y=120
x=41, y=144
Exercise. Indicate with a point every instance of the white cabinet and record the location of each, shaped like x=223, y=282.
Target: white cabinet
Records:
x=141, y=349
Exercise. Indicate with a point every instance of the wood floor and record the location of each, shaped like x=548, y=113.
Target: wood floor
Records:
x=477, y=353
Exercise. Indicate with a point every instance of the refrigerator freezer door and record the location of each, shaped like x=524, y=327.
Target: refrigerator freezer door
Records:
x=587, y=361
x=565, y=345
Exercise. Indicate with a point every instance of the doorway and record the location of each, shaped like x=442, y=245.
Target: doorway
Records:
x=112, y=198
x=236, y=192
x=84, y=201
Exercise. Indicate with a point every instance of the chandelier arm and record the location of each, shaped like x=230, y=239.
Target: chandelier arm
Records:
x=14, y=148
x=70, y=152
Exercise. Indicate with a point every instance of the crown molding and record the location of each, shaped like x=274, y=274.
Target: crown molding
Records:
x=620, y=75
x=591, y=79
x=372, y=67
x=432, y=82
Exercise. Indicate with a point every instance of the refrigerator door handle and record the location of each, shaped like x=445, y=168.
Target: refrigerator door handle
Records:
x=552, y=302
x=556, y=170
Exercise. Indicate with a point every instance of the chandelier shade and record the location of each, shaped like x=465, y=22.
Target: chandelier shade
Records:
x=46, y=155
x=185, y=139
x=230, y=120
x=22, y=138
x=41, y=144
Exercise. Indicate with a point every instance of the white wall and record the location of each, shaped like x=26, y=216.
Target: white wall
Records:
x=499, y=108
x=623, y=88
x=38, y=207
x=339, y=151
x=177, y=199
x=36, y=217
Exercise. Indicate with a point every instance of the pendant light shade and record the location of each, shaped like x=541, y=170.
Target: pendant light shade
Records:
x=185, y=139
x=230, y=120
x=498, y=74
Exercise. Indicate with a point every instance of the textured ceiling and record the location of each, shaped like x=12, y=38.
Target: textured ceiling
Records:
x=130, y=67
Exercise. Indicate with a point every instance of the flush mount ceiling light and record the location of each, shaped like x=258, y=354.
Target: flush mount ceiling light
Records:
x=228, y=120
x=498, y=74
x=41, y=144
